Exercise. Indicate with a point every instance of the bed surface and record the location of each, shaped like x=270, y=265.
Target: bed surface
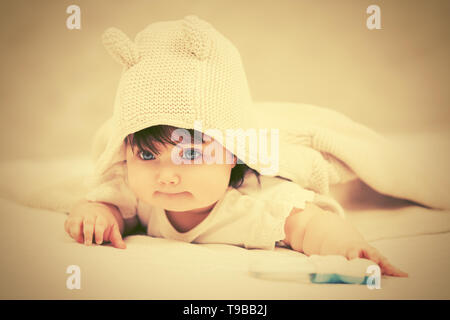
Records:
x=37, y=252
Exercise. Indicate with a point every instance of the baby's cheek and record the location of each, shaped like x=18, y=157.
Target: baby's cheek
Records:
x=137, y=181
x=213, y=181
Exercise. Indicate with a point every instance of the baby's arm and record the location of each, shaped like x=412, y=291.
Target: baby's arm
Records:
x=98, y=221
x=108, y=209
x=316, y=231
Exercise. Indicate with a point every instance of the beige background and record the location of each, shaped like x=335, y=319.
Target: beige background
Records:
x=58, y=85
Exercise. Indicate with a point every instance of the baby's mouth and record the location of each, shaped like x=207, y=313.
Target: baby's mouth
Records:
x=171, y=194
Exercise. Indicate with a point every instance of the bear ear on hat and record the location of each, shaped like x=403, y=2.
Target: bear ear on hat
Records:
x=197, y=33
x=120, y=47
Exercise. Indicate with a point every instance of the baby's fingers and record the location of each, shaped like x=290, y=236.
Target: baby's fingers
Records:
x=389, y=270
x=385, y=266
x=73, y=227
x=116, y=238
x=88, y=229
x=99, y=229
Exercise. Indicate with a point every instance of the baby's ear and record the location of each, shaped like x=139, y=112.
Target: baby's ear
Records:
x=234, y=161
x=120, y=47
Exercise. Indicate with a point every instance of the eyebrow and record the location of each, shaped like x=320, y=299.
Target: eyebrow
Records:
x=136, y=147
x=196, y=141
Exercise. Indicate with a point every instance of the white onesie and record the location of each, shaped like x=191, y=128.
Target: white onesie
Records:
x=251, y=216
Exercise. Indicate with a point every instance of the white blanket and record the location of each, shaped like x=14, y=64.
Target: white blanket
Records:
x=36, y=253
x=322, y=147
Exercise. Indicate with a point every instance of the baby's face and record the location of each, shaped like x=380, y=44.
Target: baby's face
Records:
x=187, y=187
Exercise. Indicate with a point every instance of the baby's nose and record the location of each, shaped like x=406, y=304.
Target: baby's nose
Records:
x=168, y=178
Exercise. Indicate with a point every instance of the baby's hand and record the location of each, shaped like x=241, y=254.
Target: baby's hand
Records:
x=93, y=218
x=355, y=250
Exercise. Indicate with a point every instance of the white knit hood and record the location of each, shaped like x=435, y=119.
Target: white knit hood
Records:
x=177, y=73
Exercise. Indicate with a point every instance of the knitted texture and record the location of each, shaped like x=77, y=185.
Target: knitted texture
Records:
x=120, y=47
x=176, y=73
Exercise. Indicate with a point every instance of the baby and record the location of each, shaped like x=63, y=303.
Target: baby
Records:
x=157, y=171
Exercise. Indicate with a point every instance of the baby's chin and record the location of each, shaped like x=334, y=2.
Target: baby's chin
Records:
x=188, y=207
x=184, y=205
x=178, y=202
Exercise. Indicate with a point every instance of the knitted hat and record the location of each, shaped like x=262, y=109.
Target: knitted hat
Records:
x=178, y=73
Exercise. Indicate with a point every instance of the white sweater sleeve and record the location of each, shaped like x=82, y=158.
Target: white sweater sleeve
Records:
x=277, y=188
x=271, y=205
x=112, y=186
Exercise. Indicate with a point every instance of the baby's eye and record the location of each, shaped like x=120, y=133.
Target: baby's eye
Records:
x=145, y=155
x=191, y=154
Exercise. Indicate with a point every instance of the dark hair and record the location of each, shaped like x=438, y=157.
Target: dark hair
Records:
x=145, y=140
